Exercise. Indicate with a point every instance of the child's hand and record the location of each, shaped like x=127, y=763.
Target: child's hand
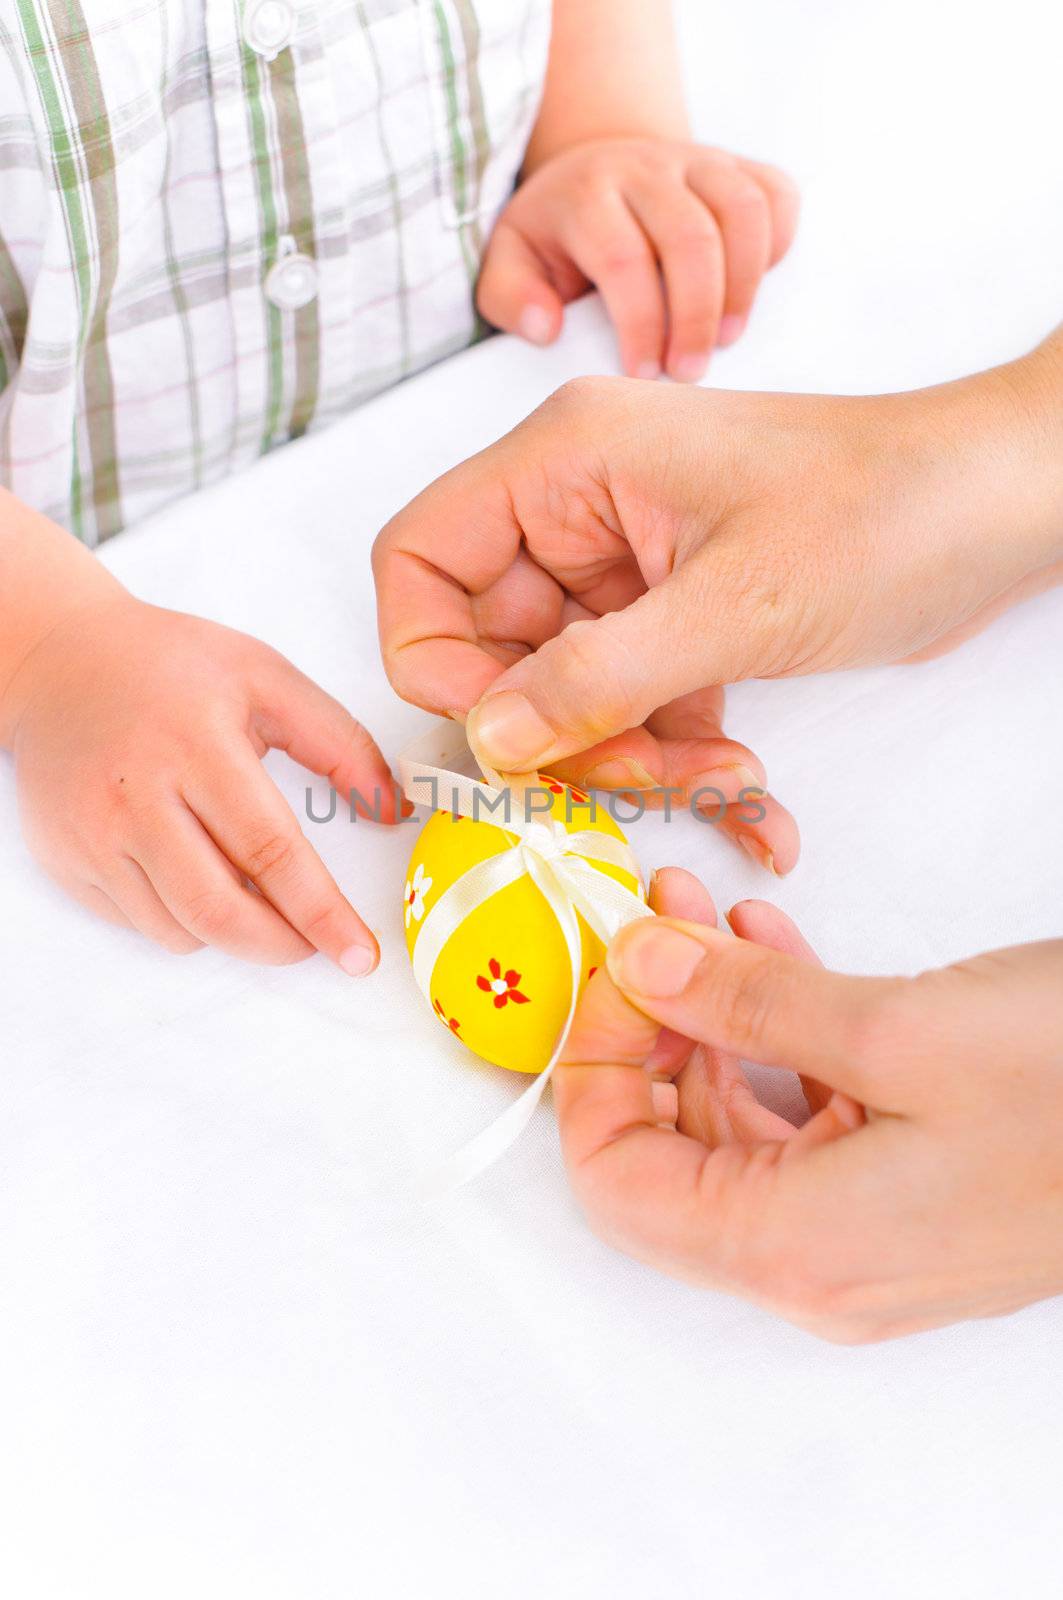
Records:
x=137, y=738
x=674, y=236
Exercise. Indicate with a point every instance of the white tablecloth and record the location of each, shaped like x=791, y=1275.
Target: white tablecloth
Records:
x=216, y=1377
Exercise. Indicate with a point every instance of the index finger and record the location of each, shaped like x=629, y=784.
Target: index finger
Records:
x=448, y=597
x=451, y=543
x=252, y=824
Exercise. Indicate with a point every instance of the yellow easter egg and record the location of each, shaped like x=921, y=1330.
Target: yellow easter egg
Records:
x=502, y=981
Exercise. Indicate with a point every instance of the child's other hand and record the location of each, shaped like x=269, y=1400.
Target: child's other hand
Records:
x=674, y=236
x=138, y=741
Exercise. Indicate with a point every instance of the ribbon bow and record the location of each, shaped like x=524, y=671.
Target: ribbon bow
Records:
x=558, y=863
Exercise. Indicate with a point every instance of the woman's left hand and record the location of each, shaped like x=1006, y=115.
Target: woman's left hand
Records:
x=674, y=236
x=926, y=1186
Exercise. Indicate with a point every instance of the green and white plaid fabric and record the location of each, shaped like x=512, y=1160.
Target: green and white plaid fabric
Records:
x=159, y=157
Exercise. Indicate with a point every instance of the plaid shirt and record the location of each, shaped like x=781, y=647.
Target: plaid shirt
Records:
x=223, y=222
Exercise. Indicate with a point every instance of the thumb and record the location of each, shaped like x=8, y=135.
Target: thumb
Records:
x=594, y=680
x=760, y=1004
x=514, y=292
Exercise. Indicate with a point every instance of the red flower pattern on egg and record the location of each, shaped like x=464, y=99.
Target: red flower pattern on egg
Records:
x=452, y=1022
x=556, y=787
x=502, y=985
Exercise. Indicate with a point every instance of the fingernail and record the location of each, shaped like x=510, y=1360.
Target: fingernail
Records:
x=650, y=370
x=358, y=960
x=731, y=328
x=728, y=781
x=407, y=808
x=536, y=325
x=759, y=852
x=620, y=773
x=653, y=959
x=509, y=732
x=688, y=369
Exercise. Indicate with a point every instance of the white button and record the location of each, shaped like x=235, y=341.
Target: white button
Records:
x=268, y=27
x=291, y=281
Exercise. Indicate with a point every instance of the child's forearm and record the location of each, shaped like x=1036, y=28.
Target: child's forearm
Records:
x=45, y=575
x=613, y=72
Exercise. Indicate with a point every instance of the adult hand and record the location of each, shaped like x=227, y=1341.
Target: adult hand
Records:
x=585, y=586
x=927, y=1185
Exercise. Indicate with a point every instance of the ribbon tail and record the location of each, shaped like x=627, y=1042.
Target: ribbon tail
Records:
x=491, y=1144
x=433, y=771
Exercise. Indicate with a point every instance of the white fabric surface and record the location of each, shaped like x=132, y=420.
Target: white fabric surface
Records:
x=218, y=1376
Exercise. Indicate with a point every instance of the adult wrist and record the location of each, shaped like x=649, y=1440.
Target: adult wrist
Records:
x=1028, y=394
x=993, y=447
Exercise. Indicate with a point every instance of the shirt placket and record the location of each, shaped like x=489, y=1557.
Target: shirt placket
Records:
x=281, y=178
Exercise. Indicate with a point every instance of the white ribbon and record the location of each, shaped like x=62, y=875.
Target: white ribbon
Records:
x=558, y=863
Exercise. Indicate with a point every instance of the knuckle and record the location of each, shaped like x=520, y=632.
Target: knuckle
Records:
x=317, y=924
x=621, y=256
x=609, y=159
x=744, y=997
x=712, y=159
x=747, y=201
x=589, y=188
x=262, y=657
x=781, y=181
x=354, y=745
x=697, y=237
x=271, y=856
x=594, y=177
x=211, y=915
x=578, y=397
x=589, y=672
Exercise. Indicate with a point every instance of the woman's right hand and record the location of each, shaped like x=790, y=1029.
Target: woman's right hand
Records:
x=582, y=588
x=925, y=1186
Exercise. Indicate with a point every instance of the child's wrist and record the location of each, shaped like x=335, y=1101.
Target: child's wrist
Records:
x=21, y=676
x=545, y=148
x=46, y=575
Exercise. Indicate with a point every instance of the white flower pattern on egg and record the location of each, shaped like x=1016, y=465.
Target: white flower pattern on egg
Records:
x=416, y=895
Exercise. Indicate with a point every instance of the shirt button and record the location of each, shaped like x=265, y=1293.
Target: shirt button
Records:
x=268, y=27
x=291, y=281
